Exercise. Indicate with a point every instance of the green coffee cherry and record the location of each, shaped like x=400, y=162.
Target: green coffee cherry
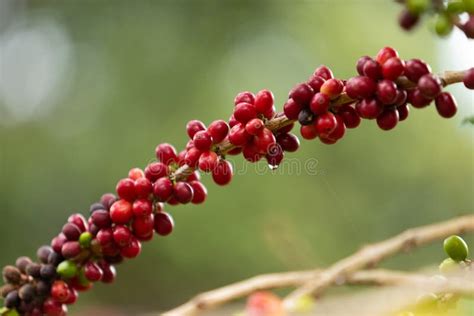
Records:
x=448, y=266
x=85, y=239
x=417, y=6
x=469, y=5
x=67, y=269
x=456, y=248
x=455, y=7
x=82, y=279
x=428, y=300
x=443, y=25
x=8, y=312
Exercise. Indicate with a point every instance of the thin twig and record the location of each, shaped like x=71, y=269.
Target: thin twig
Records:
x=220, y=296
x=280, y=120
x=370, y=255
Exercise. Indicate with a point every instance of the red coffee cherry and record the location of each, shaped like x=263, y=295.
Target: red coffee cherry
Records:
x=360, y=87
x=388, y=119
x=308, y=132
x=254, y=126
x=101, y=219
x=288, y=142
x=244, y=112
x=415, y=69
x=264, y=140
x=319, y=103
x=369, y=108
x=323, y=72
x=350, y=116
x=446, y=105
x=183, y=192
x=109, y=272
x=385, y=54
x=143, y=187
x=429, y=86
x=238, y=136
x=136, y=173
x=122, y=235
x=292, y=109
x=132, y=250
x=60, y=291
x=121, y=212
x=164, y=224
x=408, y=20
x=156, y=170
x=71, y=249
x=401, y=98
x=194, y=126
x=264, y=101
x=143, y=226
x=192, y=157
x=325, y=123
x=417, y=99
x=468, y=79
x=126, y=189
x=275, y=156
x=71, y=231
x=372, y=69
x=218, y=130
x=244, y=96
x=361, y=63
x=166, y=153
x=93, y=272
x=315, y=82
x=163, y=189
x=105, y=237
x=403, y=112
x=393, y=68
x=223, y=173
x=207, y=161
x=142, y=207
x=202, y=140
x=337, y=133
x=302, y=93
x=200, y=192
x=53, y=308
x=387, y=91
x=332, y=88
x=251, y=152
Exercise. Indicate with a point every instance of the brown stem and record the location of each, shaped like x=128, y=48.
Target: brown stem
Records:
x=280, y=120
x=370, y=255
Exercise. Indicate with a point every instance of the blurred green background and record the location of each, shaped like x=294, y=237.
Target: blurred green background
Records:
x=89, y=88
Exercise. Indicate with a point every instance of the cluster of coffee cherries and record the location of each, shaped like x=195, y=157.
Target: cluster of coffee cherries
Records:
x=87, y=250
x=448, y=14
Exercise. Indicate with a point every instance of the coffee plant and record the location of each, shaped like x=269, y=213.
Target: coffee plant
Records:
x=87, y=249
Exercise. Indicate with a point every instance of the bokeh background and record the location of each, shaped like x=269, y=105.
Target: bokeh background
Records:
x=89, y=88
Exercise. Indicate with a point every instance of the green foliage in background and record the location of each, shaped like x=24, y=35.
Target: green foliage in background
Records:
x=144, y=68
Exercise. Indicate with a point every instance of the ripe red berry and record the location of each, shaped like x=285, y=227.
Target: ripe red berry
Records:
x=360, y=87
x=264, y=140
x=107, y=200
x=388, y=119
x=270, y=113
x=350, y=116
x=361, y=63
x=332, y=88
x=71, y=249
x=384, y=54
x=264, y=101
x=315, y=82
x=164, y=223
x=468, y=26
x=166, y=153
x=308, y=132
x=415, y=69
x=192, y=157
x=323, y=72
x=53, y=308
x=446, y=105
x=251, y=152
x=202, y=140
x=369, y=108
x=122, y=235
x=301, y=93
x=143, y=187
x=401, y=98
x=393, y=68
x=232, y=121
x=200, y=192
x=109, y=272
x=194, y=126
x=325, y=123
x=156, y=170
x=163, y=189
x=386, y=91
x=286, y=129
x=218, y=130
x=417, y=99
x=407, y=20
x=121, y=212
x=275, y=156
x=73, y=296
x=429, y=86
x=71, y=231
x=142, y=207
x=223, y=173
x=143, y=226
x=93, y=272
x=292, y=109
x=288, y=142
x=101, y=218
x=132, y=250
x=136, y=173
x=207, y=161
x=372, y=69
x=319, y=103
x=254, y=126
x=244, y=112
x=468, y=78
x=194, y=176
x=58, y=242
x=403, y=111
x=338, y=132
x=244, y=96
x=60, y=291
x=238, y=136
x=105, y=237
x=126, y=189
x=183, y=192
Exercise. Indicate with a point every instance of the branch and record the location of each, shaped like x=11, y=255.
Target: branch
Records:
x=280, y=120
x=220, y=296
x=370, y=255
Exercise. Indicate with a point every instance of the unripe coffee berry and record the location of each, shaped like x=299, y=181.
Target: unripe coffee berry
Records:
x=67, y=269
x=456, y=248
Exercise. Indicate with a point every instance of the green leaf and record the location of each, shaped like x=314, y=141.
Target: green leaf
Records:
x=468, y=120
